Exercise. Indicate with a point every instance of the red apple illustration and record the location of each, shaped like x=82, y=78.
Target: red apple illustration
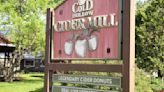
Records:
x=81, y=47
x=68, y=47
x=92, y=42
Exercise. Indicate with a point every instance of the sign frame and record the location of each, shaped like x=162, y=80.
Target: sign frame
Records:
x=127, y=68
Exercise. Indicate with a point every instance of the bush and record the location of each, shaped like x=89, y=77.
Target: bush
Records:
x=156, y=84
x=142, y=81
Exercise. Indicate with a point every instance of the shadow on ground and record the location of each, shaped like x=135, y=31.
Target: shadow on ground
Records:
x=38, y=90
x=38, y=76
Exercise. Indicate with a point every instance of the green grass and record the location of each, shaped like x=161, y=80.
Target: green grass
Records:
x=29, y=83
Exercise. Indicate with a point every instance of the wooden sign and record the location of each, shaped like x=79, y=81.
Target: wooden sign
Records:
x=76, y=89
x=87, y=29
x=92, y=80
x=91, y=29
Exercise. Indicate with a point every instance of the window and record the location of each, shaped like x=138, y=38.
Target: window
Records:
x=29, y=63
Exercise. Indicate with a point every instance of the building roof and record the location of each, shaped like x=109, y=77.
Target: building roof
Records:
x=4, y=40
x=6, y=45
x=30, y=57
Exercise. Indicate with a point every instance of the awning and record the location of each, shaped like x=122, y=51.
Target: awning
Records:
x=7, y=47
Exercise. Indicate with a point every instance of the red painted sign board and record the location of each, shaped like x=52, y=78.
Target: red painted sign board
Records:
x=87, y=29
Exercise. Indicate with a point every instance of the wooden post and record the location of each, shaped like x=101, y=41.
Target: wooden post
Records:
x=128, y=45
x=47, y=53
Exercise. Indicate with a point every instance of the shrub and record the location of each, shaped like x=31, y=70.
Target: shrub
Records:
x=142, y=81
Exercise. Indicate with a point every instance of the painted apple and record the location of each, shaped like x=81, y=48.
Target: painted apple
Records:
x=81, y=47
x=68, y=47
x=93, y=43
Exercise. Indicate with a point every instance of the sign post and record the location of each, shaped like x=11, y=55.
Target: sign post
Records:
x=48, y=73
x=84, y=30
x=128, y=45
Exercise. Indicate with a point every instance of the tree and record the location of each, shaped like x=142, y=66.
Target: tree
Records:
x=23, y=19
x=150, y=35
x=25, y=22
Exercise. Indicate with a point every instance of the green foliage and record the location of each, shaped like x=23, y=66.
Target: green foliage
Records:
x=145, y=83
x=156, y=84
x=142, y=82
x=25, y=22
x=25, y=18
x=150, y=35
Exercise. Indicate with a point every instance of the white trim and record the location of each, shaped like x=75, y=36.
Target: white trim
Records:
x=10, y=45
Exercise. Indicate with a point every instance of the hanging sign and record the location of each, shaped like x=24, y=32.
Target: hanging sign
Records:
x=76, y=89
x=87, y=29
x=93, y=80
